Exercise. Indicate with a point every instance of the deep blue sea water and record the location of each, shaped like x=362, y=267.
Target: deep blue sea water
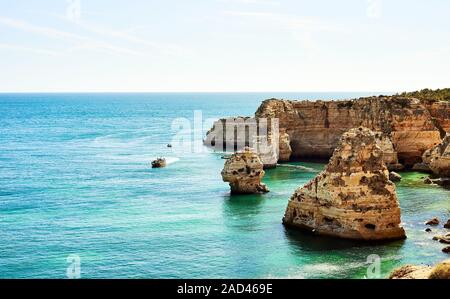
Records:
x=75, y=178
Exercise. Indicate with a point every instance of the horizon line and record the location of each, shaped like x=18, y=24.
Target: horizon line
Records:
x=256, y=91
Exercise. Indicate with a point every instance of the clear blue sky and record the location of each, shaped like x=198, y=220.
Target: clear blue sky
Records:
x=224, y=45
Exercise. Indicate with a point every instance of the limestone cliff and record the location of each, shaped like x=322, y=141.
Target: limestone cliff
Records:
x=353, y=198
x=244, y=171
x=314, y=128
x=406, y=126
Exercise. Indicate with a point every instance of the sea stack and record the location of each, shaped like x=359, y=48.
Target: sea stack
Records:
x=244, y=171
x=353, y=198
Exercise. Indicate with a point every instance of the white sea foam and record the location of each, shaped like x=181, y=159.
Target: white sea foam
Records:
x=172, y=160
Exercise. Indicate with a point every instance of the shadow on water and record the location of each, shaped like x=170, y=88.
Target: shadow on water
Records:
x=306, y=241
x=242, y=205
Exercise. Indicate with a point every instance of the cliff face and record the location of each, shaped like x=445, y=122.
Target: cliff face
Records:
x=439, y=158
x=353, y=198
x=440, y=111
x=406, y=127
x=314, y=128
x=244, y=171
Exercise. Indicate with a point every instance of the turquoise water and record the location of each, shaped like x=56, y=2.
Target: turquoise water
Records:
x=75, y=179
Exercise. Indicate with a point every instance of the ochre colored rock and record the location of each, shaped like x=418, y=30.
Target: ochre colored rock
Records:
x=440, y=111
x=439, y=158
x=285, y=150
x=411, y=272
x=244, y=171
x=405, y=126
x=315, y=127
x=439, y=271
x=353, y=198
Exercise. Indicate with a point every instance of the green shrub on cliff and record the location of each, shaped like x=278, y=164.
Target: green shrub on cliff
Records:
x=430, y=95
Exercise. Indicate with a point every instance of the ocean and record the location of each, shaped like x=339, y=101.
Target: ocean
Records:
x=76, y=181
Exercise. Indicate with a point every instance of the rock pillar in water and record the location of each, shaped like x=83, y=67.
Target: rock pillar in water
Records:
x=353, y=198
x=244, y=171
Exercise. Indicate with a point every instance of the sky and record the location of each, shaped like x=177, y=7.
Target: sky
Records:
x=223, y=45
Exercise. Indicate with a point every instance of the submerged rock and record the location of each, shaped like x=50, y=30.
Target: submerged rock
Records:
x=159, y=163
x=442, y=239
x=395, y=177
x=434, y=222
x=244, y=171
x=353, y=198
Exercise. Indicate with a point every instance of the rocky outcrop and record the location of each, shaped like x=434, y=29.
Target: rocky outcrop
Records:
x=447, y=225
x=439, y=158
x=404, y=126
x=434, y=222
x=440, y=111
x=411, y=272
x=440, y=271
x=353, y=198
x=244, y=171
x=315, y=127
x=395, y=177
x=437, y=103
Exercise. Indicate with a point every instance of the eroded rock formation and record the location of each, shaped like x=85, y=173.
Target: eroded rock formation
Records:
x=315, y=127
x=244, y=171
x=353, y=198
x=405, y=126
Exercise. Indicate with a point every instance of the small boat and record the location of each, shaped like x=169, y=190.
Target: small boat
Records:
x=169, y=145
x=159, y=163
